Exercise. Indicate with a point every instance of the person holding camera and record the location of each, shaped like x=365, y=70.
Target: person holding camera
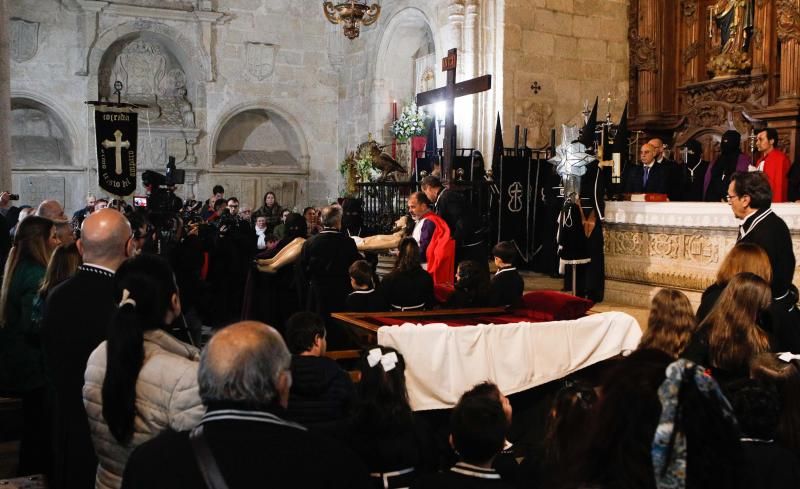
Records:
x=8, y=215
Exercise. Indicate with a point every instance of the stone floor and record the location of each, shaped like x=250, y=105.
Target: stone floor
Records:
x=538, y=281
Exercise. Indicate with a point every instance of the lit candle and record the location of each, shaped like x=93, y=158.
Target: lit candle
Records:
x=394, y=110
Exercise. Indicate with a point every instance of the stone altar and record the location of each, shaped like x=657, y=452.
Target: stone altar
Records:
x=672, y=244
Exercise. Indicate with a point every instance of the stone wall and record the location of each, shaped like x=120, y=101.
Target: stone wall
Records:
x=232, y=58
x=211, y=69
x=573, y=50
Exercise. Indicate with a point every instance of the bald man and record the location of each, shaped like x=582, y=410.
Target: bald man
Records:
x=244, y=383
x=673, y=167
x=648, y=177
x=53, y=210
x=76, y=316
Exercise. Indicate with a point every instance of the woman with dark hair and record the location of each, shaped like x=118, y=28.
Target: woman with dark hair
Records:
x=671, y=323
x=744, y=257
x=271, y=210
x=21, y=366
x=471, y=288
x=142, y=380
x=63, y=264
x=648, y=412
x=783, y=371
x=732, y=334
x=408, y=286
x=567, y=421
x=312, y=221
x=392, y=442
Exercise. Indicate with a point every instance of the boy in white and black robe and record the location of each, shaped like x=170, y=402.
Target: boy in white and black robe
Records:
x=478, y=433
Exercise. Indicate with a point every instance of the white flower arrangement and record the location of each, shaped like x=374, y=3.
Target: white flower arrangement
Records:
x=410, y=123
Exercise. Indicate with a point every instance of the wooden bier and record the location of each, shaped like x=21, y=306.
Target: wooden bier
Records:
x=363, y=326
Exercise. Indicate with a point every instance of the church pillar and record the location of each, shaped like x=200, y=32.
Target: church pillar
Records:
x=789, y=36
x=454, y=39
x=645, y=46
x=5, y=99
x=690, y=44
x=455, y=17
x=762, y=32
x=469, y=63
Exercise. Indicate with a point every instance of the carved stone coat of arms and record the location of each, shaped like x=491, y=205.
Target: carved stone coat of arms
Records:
x=260, y=59
x=24, y=39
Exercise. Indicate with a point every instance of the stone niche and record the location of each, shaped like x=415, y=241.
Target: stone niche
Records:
x=260, y=149
x=154, y=71
x=42, y=153
x=187, y=5
x=39, y=138
x=258, y=139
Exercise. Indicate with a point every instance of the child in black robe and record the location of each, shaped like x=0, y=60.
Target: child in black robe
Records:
x=506, y=286
x=478, y=433
x=365, y=296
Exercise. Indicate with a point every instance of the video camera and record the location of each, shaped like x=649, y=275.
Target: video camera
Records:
x=162, y=188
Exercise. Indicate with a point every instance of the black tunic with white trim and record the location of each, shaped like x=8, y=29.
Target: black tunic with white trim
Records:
x=463, y=476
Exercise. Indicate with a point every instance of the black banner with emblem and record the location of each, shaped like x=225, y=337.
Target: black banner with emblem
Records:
x=516, y=179
x=116, y=150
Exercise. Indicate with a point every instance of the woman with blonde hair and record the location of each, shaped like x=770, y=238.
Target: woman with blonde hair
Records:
x=744, y=257
x=671, y=323
x=732, y=333
x=21, y=366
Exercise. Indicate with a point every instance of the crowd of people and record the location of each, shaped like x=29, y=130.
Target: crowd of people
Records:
x=689, y=177
x=116, y=393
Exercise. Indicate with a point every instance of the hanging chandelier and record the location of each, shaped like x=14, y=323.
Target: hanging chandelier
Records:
x=352, y=15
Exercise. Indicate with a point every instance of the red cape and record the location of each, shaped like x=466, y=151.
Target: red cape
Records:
x=776, y=169
x=441, y=253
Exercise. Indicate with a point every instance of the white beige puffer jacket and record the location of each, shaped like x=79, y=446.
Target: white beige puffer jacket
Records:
x=166, y=397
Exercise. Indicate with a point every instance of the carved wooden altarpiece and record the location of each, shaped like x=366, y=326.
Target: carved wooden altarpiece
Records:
x=701, y=67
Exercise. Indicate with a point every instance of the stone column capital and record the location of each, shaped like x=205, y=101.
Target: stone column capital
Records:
x=455, y=12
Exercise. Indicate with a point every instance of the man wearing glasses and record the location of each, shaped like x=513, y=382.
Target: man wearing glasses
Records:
x=750, y=198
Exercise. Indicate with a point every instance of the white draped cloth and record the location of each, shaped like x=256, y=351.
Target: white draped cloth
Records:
x=443, y=362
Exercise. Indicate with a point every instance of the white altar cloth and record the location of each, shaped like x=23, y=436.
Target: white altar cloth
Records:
x=443, y=362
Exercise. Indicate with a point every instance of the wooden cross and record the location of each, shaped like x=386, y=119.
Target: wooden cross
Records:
x=117, y=144
x=449, y=93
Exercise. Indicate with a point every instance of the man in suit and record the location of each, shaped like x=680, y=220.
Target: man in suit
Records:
x=649, y=177
x=750, y=198
x=323, y=271
x=244, y=438
x=75, y=319
x=460, y=217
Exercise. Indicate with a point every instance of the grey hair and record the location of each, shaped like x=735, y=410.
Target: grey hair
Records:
x=251, y=376
x=331, y=216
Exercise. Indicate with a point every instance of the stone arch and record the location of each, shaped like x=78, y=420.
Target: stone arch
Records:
x=260, y=135
x=407, y=32
x=191, y=55
x=413, y=27
x=42, y=135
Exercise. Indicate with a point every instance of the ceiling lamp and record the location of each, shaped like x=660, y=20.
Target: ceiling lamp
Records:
x=352, y=15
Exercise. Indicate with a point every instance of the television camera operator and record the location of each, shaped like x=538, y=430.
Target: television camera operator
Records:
x=229, y=264
x=168, y=228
